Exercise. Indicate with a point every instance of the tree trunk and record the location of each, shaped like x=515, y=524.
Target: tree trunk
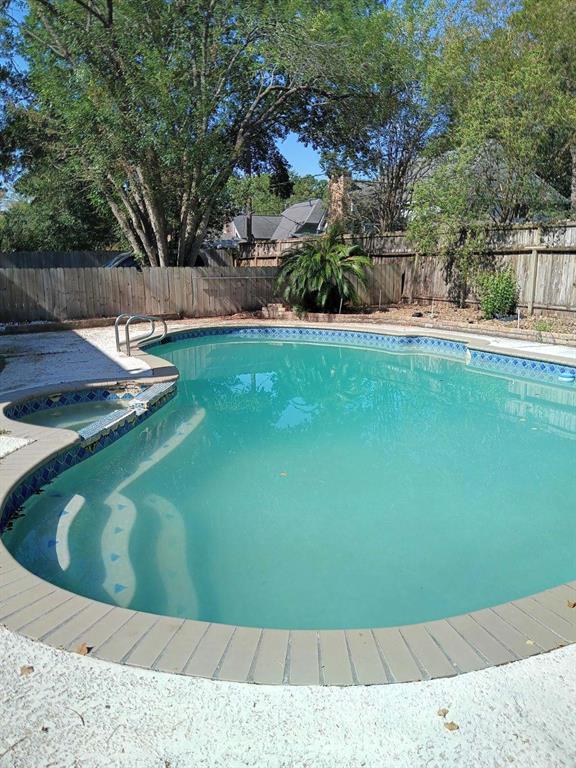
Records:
x=573, y=181
x=124, y=225
x=155, y=214
x=196, y=248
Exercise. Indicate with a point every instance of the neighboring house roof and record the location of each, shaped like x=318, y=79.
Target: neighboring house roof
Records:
x=306, y=218
x=300, y=219
x=263, y=227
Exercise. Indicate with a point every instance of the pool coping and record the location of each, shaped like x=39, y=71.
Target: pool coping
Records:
x=446, y=647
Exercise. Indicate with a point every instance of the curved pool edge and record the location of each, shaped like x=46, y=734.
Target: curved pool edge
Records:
x=447, y=647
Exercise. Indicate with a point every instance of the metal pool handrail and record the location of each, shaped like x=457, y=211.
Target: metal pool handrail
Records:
x=127, y=341
x=117, y=330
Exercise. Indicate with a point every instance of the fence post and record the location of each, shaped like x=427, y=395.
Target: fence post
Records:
x=532, y=280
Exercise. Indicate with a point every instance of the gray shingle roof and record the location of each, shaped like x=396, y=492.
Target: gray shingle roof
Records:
x=263, y=227
x=298, y=219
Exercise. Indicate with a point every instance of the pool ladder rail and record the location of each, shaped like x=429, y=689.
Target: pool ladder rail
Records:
x=129, y=319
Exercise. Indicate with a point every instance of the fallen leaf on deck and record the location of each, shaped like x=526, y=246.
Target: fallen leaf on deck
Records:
x=26, y=670
x=452, y=726
x=442, y=712
x=571, y=603
x=84, y=649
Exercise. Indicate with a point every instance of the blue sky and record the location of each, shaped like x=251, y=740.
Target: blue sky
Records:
x=302, y=159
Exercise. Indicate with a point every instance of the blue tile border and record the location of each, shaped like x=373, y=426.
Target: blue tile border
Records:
x=504, y=364
x=95, y=394
x=356, y=338
x=520, y=366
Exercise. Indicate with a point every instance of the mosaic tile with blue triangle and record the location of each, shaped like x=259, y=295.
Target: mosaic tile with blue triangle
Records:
x=323, y=335
x=521, y=366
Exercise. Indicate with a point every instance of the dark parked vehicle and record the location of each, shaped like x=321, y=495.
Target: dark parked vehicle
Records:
x=126, y=259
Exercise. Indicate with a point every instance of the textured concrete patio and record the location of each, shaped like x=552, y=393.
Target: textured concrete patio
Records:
x=75, y=711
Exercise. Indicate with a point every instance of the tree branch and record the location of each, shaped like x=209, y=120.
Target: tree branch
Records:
x=89, y=8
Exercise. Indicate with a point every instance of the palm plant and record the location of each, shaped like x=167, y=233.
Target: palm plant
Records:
x=322, y=273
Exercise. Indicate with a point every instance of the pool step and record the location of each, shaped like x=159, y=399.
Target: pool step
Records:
x=138, y=405
x=152, y=394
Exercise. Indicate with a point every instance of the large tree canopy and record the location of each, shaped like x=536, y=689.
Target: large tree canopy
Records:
x=548, y=26
x=157, y=103
x=387, y=130
x=508, y=135
x=157, y=113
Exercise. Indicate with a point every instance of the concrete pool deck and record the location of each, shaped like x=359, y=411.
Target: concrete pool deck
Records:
x=49, y=371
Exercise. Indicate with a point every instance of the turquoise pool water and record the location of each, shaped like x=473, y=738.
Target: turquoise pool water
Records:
x=316, y=486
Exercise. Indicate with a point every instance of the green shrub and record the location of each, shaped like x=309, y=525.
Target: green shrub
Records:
x=543, y=326
x=497, y=292
x=322, y=272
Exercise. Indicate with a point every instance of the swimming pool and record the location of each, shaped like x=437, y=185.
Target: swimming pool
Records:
x=321, y=481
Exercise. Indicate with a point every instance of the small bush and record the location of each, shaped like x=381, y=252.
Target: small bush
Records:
x=543, y=326
x=498, y=292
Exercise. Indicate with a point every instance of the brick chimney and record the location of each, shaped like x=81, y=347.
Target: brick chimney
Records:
x=338, y=197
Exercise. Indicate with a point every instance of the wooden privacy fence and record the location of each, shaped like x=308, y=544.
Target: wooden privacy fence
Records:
x=546, y=277
x=546, y=280
x=267, y=254
x=513, y=239
x=73, y=294
x=542, y=258
x=386, y=280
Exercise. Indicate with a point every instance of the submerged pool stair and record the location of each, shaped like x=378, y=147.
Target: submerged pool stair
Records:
x=143, y=402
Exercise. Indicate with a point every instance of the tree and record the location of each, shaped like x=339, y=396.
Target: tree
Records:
x=253, y=192
x=503, y=100
x=504, y=94
x=308, y=187
x=322, y=273
x=56, y=215
x=158, y=102
x=386, y=137
x=549, y=24
x=47, y=205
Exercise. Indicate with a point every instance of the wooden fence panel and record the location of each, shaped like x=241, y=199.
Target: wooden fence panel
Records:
x=524, y=275
x=188, y=286
x=387, y=279
x=556, y=281
x=547, y=281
